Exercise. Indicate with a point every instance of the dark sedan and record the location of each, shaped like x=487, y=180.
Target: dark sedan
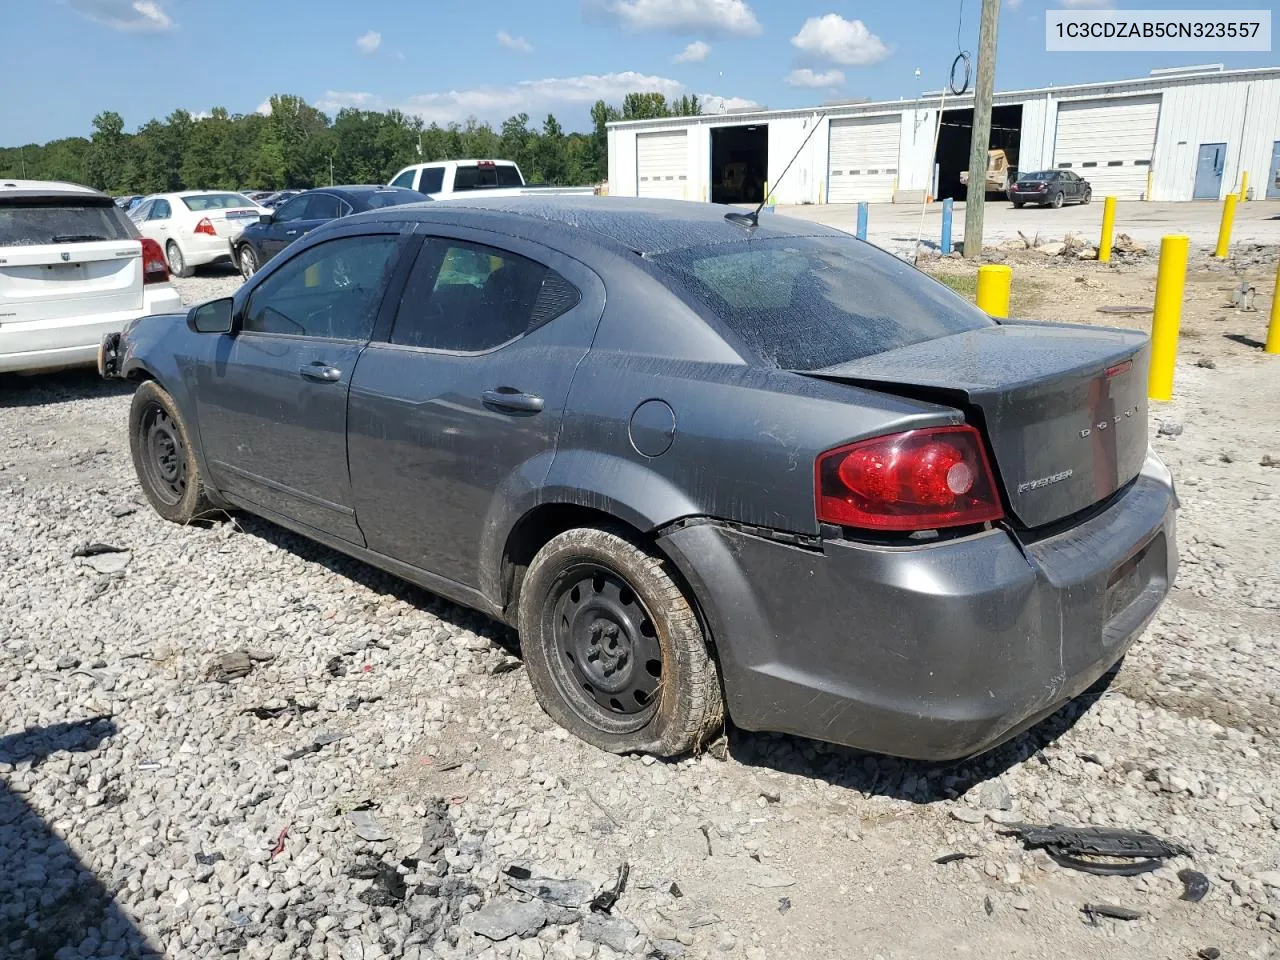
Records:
x=703, y=465
x=299, y=216
x=1050, y=188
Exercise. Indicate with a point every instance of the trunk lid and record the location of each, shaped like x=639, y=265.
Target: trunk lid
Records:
x=1064, y=408
x=231, y=223
x=55, y=281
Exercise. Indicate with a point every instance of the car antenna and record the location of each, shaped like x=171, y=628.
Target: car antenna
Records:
x=752, y=219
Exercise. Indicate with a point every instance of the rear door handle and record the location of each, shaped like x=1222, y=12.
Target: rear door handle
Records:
x=506, y=398
x=321, y=371
x=290, y=233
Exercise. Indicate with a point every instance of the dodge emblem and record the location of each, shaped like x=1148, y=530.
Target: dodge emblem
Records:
x=65, y=256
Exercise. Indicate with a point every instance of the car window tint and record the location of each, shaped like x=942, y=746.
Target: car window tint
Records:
x=322, y=206
x=390, y=198
x=331, y=290
x=468, y=297
x=803, y=303
x=161, y=210
x=404, y=180
x=294, y=209
x=432, y=180
x=216, y=201
x=141, y=211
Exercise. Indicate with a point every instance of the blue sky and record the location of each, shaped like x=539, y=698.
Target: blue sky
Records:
x=445, y=60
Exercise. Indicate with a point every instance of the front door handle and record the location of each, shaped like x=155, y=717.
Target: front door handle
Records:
x=507, y=398
x=290, y=233
x=321, y=371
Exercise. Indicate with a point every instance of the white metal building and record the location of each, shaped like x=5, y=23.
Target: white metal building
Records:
x=1174, y=135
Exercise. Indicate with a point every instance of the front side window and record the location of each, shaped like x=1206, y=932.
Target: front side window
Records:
x=323, y=206
x=404, y=180
x=331, y=291
x=804, y=303
x=466, y=297
x=294, y=209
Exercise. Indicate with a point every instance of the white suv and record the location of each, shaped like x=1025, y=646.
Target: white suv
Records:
x=72, y=269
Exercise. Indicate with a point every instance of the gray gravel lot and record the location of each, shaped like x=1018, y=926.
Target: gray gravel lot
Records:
x=361, y=792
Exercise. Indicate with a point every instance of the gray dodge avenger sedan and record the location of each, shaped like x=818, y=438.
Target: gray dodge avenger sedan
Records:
x=704, y=465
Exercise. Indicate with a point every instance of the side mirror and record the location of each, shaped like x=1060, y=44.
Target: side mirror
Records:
x=266, y=217
x=212, y=317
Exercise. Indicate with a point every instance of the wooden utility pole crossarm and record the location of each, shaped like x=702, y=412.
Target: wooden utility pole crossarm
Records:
x=983, y=91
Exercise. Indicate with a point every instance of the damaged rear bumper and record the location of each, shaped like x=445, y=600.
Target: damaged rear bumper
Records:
x=933, y=652
x=109, y=356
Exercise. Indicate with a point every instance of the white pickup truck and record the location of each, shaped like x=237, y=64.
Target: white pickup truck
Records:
x=449, y=178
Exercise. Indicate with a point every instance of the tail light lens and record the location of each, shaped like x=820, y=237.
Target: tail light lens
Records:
x=919, y=480
x=204, y=226
x=154, y=267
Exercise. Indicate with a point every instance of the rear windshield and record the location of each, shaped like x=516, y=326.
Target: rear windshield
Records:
x=474, y=177
x=1041, y=175
x=392, y=198
x=804, y=303
x=28, y=223
x=217, y=201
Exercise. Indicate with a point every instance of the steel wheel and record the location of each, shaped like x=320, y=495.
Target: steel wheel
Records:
x=177, y=266
x=1057, y=200
x=248, y=261
x=164, y=455
x=608, y=659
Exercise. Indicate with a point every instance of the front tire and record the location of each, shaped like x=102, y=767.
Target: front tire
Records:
x=248, y=261
x=177, y=262
x=613, y=648
x=1088, y=195
x=163, y=458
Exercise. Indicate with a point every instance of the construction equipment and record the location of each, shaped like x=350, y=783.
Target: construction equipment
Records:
x=1000, y=171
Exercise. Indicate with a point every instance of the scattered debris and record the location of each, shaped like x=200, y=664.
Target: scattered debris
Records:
x=277, y=848
x=1269, y=461
x=954, y=858
x=1170, y=428
x=563, y=893
x=607, y=897
x=988, y=906
x=613, y=932
x=147, y=766
x=437, y=830
x=518, y=873
x=1124, y=309
x=97, y=550
x=718, y=749
x=1206, y=364
x=209, y=859
x=356, y=703
x=316, y=745
x=1104, y=851
x=336, y=667
x=367, y=826
x=1208, y=953
x=502, y=917
x=1195, y=885
x=1095, y=910
x=1125, y=244
x=231, y=666
x=784, y=904
x=123, y=510
x=505, y=666
x=388, y=889
x=291, y=707
x=675, y=890
x=704, y=920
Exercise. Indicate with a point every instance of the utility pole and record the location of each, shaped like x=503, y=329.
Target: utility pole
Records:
x=984, y=89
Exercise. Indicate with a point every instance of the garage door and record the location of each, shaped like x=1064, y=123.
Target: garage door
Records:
x=1109, y=143
x=863, y=159
x=662, y=164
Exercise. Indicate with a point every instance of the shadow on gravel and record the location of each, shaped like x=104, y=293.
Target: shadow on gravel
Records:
x=1245, y=341
x=914, y=781
x=65, y=386
x=48, y=899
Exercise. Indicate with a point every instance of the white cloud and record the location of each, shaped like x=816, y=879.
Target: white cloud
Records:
x=711, y=103
x=200, y=114
x=519, y=44
x=137, y=16
x=839, y=40
x=1014, y=4
x=497, y=103
x=695, y=52
x=717, y=17
x=264, y=107
x=809, y=78
x=369, y=43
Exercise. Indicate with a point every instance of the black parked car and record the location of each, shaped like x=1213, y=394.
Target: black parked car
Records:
x=303, y=213
x=704, y=465
x=1050, y=188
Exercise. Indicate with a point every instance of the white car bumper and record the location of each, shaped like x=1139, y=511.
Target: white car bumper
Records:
x=38, y=345
x=200, y=249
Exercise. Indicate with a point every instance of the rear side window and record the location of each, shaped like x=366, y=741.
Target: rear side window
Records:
x=467, y=298
x=478, y=177
x=390, y=198
x=804, y=303
x=160, y=211
x=31, y=222
x=217, y=201
x=432, y=180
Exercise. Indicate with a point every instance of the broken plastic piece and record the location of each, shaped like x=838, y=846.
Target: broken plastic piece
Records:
x=607, y=897
x=277, y=848
x=518, y=873
x=784, y=904
x=1095, y=910
x=675, y=890
x=97, y=550
x=953, y=858
x=1127, y=852
x=988, y=906
x=1195, y=885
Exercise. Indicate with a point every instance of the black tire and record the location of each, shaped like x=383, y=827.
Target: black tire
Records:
x=1088, y=195
x=1056, y=201
x=163, y=458
x=602, y=622
x=247, y=261
x=1017, y=204
x=178, y=265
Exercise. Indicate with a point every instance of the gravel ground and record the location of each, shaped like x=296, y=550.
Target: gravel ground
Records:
x=381, y=782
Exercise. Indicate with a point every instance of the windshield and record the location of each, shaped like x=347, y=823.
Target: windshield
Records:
x=217, y=201
x=28, y=223
x=804, y=303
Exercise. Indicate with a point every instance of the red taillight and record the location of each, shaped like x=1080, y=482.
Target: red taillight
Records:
x=918, y=480
x=154, y=267
x=204, y=226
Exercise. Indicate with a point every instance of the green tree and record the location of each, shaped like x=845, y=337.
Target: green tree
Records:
x=644, y=106
x=602, y=114
x=109, y=163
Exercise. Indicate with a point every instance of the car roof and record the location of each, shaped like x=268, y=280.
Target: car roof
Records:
x=14, y=189
x=642, y=226
x=359, y=189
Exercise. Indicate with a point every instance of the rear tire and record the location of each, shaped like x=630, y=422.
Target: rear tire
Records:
x=163, y=458
x=177, y=262
x=613, y=648
x=247, y=260
x=1056, y=202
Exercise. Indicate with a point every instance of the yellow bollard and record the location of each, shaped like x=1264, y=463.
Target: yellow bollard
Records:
x=1108, y=229
x=1171, y=276
x=1244, y=185
x=1224, y=230
x=994, y=281
x=1273, y=328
